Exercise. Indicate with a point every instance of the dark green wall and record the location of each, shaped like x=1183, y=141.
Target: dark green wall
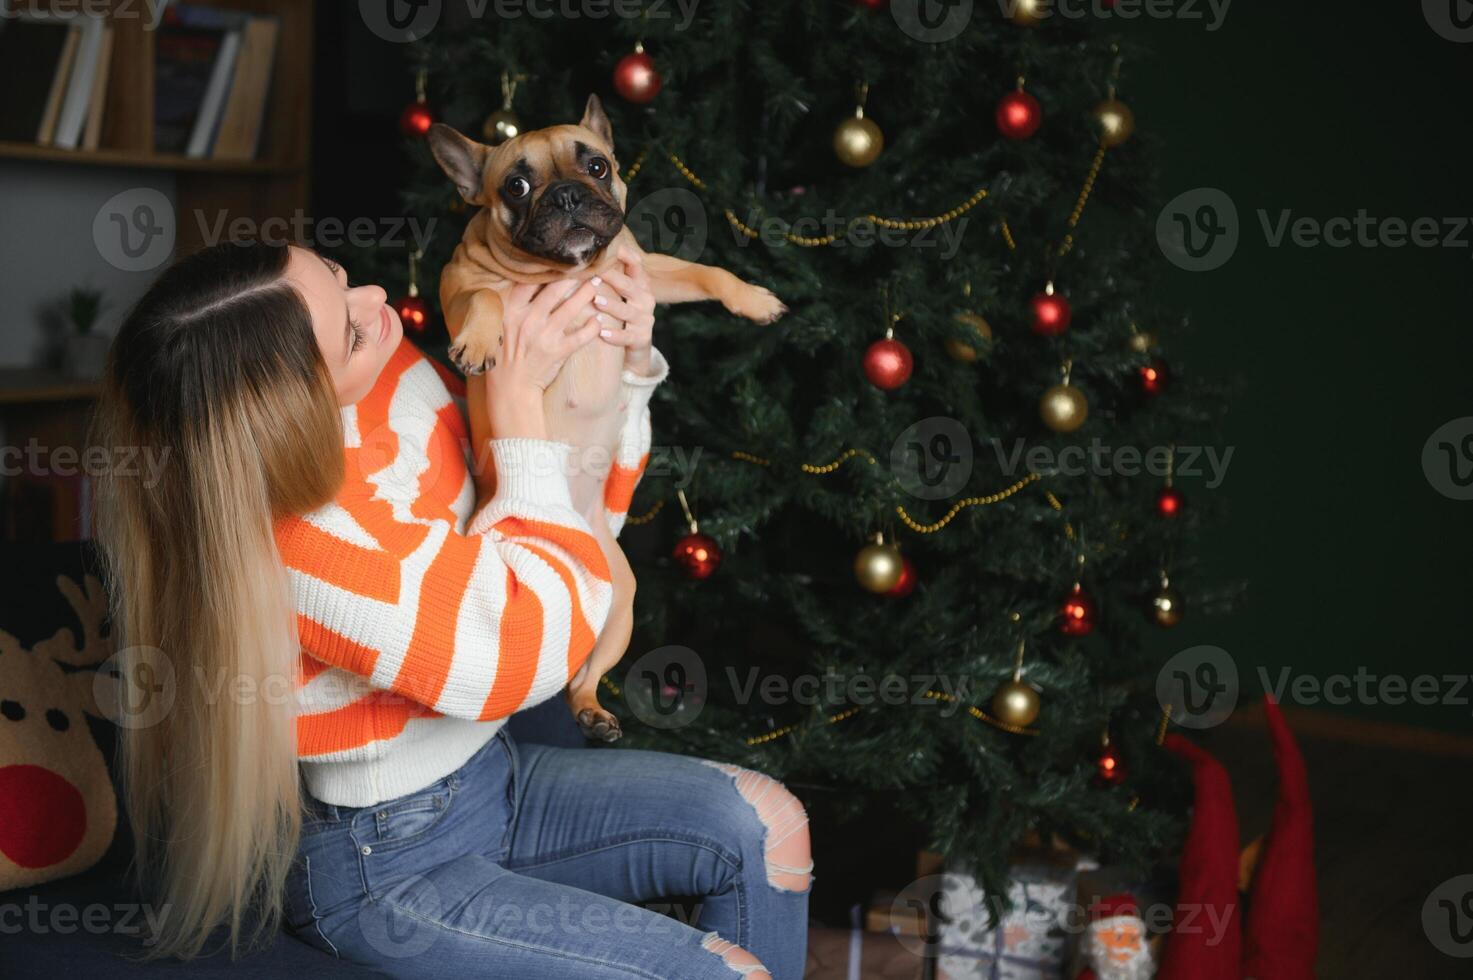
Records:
x=1347, y=358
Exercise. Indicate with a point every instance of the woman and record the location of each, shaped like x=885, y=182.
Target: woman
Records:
x=316, y=533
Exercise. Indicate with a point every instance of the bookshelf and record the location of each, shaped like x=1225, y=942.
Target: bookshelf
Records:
x=273, y=185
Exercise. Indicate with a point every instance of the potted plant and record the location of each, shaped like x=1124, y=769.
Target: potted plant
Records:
x=86, y=350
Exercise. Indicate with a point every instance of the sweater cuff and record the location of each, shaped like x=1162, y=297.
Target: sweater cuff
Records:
x=659, y=368
x=528, y=471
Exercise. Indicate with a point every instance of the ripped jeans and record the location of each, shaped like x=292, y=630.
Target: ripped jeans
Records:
x=524, y=863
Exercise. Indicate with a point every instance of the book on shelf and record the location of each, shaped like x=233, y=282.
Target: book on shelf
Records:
x=92, y=134
x=239, y=137
x=72, y=115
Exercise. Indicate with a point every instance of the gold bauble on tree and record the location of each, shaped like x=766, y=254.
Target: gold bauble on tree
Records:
x=858, y=141
x=500, y=126
x=1016, y=703
x=1141, y=341
x=879, y=566
x=961, y=350
x=1063, y=407
x=1028, y=13
x=1166, y=606
x=1115, y=122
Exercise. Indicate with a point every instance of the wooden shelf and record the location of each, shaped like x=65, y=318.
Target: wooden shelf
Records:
x=31, y=386
x=143, y=161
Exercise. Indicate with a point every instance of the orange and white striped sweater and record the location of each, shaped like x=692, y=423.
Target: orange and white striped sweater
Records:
x=423, y=625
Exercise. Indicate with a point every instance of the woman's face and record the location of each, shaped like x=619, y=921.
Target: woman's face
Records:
x=356, y=328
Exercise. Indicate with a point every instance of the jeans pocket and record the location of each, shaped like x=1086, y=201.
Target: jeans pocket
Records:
x=404, y=821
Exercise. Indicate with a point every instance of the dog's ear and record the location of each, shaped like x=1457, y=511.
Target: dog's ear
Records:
x=462, y=159
x=596, y=120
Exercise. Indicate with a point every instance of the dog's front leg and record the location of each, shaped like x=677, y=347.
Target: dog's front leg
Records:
x=474, y=322
x=675, y=280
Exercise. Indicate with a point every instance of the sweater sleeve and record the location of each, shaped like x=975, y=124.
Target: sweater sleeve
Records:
x=633, y=452
x=476, y=624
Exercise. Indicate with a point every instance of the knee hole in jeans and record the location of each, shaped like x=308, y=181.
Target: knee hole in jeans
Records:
x=743, y=962
x=787, y=848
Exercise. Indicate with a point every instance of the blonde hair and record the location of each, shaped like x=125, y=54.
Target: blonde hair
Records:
x=219, y=367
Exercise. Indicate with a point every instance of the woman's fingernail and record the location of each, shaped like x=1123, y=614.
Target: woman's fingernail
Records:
x=602, y=318
x=601, y=300
x=597, y=281
x=606, y=333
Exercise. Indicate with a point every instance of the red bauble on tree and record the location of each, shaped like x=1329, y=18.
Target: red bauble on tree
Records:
x=697, y=555
x=1110, y=767
x=635, y=77
x=907, y=583
x=413, y=312
x=1018, y=114
x=1153, y=377
x=1169, y=502
x=887, y=363
x=1049, y=312
x=1077, y=613
x=416, y=120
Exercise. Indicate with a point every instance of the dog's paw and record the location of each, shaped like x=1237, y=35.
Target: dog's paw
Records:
x=474, y=354
x=598, y=725
x=756, y=303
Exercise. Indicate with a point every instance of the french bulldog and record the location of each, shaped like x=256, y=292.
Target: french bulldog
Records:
x=552, y=207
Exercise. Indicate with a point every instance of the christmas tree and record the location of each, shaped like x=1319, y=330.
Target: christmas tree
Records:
x=948, y=464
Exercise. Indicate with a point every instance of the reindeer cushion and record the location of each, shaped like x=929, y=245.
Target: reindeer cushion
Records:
x=58, y=810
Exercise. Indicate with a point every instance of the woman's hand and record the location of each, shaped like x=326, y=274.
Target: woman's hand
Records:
x=629, y=304
x=541, y=328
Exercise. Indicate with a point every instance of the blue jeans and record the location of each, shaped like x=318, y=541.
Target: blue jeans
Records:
x=523, y=863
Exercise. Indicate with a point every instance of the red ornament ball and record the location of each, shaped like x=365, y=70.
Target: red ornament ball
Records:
x=887, y=364
x=1110, y=769
x=1050, y=314
x=907, y=583
x=416, y=120
x=1169, y=502
x=636, y=78
x=1077, y=613
x=1153, y=377
x=1018, y=115
x=413, y=312
x=697, y=555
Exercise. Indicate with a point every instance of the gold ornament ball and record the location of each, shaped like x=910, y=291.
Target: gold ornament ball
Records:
x=858, y=141
x=878, y=567
x=1142, y=342
x=1115, y=121
x=1028, y=13
x=501, y=126
x=961, y=350
x=1016, y=703
x=1063, y=408
x=1166, y=607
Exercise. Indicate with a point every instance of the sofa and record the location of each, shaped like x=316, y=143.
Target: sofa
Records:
x=90, y=925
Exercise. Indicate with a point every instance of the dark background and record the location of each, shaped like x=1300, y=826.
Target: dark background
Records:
x=1343, y=360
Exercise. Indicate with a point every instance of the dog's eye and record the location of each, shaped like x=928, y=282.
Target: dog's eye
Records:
x=598, y=168
x=517, y=187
